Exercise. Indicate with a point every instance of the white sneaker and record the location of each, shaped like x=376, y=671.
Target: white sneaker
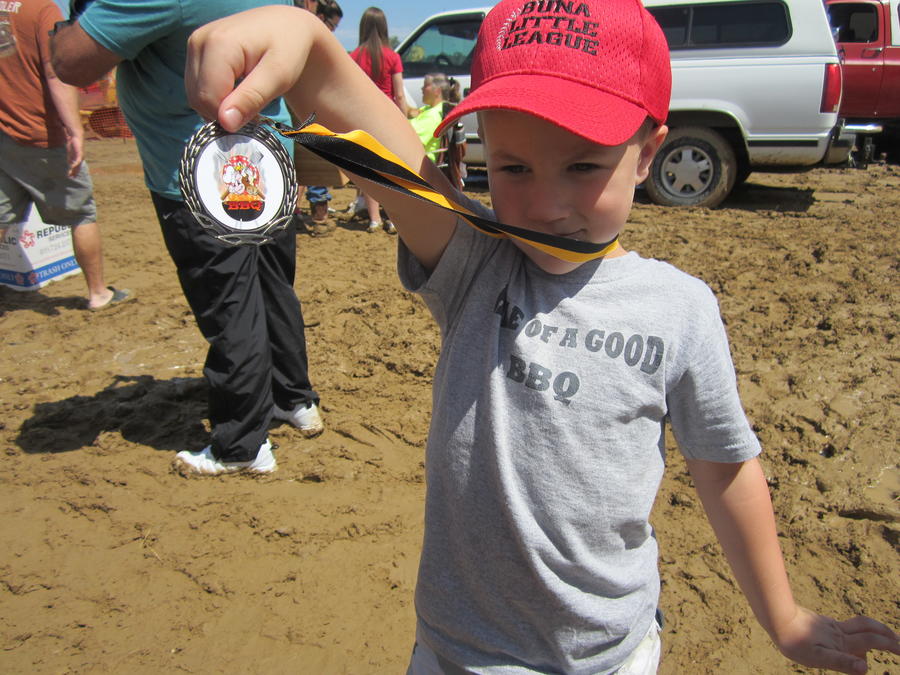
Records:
x=373, y=227
x=306, y=419
x=389, y=227
x=204, y=463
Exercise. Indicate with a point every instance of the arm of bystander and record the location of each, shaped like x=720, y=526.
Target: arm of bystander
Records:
x=78, y=59
x=65, y=100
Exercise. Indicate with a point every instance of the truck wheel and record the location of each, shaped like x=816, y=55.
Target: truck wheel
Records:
x=694, y=167
x=742, y=174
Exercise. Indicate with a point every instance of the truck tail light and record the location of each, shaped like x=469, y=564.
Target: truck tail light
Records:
x=831, y=92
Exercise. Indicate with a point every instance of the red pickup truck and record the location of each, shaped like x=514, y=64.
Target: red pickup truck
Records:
x=867, y=33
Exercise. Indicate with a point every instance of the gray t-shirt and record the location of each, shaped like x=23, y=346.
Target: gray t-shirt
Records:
x=546, y=449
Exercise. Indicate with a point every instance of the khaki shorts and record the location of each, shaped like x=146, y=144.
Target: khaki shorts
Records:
x=40, y=176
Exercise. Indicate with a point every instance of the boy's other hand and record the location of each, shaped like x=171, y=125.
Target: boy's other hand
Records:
x=822, y=642
x=264, y=49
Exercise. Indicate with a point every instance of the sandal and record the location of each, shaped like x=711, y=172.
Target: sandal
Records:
x=119, y=295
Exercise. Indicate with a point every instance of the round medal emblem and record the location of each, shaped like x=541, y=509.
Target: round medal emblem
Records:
x=240, y=186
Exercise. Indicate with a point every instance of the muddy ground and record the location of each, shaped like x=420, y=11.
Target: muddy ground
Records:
x=112, y=562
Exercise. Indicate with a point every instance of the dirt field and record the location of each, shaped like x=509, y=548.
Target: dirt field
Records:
x=113, y=563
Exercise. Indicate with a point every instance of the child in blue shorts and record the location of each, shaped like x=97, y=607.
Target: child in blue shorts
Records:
x=557, y=373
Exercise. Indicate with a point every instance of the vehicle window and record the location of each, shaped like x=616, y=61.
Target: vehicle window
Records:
x=724, y=25
x=674, y=23
x=444, y=47
x=853, y=22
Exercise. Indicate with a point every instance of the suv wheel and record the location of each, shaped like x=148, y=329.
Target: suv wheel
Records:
x=694, y=167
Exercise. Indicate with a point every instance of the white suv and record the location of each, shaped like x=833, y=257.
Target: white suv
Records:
x=755, y=84
x=444, y=43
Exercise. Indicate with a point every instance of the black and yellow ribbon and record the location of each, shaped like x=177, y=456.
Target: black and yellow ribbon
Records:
x=359, y=153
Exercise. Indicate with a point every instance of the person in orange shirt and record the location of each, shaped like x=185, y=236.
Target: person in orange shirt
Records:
x=41, y=143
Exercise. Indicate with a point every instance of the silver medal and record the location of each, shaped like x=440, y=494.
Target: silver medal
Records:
x=240, y=186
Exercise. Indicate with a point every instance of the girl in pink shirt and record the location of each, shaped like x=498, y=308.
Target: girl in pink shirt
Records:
x=382, y=64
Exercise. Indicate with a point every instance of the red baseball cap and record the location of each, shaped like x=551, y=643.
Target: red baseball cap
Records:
x=597, y=68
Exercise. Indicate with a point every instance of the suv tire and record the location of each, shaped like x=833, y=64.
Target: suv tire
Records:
x=694, y=167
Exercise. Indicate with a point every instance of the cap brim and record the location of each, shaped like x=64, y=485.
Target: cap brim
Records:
x=584, y=110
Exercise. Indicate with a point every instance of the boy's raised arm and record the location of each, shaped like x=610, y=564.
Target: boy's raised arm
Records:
x=280, y=50
x=737, y=503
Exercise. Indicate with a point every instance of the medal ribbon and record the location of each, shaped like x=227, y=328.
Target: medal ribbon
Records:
x=359, y=153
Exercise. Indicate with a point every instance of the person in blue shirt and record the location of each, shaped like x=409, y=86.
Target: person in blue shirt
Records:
x=242, y=297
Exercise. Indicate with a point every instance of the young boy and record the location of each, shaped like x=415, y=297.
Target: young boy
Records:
x=555, y=378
